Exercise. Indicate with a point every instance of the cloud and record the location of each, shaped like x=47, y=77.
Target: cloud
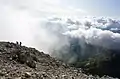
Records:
x=96, y=31
x=21, y=19
x=14, y=24
x=79, y=38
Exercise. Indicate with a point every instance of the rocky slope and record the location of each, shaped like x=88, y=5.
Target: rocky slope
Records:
x=20, y=62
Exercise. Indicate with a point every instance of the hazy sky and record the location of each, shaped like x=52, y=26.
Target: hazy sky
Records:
x=78, y=7
x=97, y=7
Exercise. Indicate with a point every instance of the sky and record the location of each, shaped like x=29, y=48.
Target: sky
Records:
x=107, y=8
x=97, y=7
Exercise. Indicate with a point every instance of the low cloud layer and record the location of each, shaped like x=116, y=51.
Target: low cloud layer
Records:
x=96, y=31
x=82, y=37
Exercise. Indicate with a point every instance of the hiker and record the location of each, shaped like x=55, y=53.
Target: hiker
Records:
x=17, y=42
x=20, y=43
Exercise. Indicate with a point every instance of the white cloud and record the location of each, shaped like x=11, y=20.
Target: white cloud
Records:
x=20, y=19
x=101, y=31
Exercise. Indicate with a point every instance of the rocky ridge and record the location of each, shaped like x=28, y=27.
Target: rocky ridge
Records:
x=20, y=62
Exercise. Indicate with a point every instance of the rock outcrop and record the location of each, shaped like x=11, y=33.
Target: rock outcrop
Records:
x=20, y=62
